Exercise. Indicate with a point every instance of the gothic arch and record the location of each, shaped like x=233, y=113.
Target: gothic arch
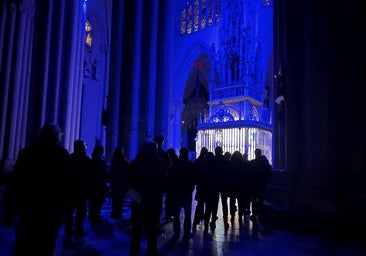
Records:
x=184, y=67
x=184, y=89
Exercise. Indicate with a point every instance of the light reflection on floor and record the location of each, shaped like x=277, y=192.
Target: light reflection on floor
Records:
x=111, y=238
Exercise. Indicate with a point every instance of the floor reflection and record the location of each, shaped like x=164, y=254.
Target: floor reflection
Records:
x=112, y=238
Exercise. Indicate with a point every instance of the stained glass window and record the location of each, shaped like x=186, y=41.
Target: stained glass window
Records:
x=183, y=23
x=266, y=2
x=210, y=12
x=88, y=36
x=203, y=14
x=217, y=12
x=198, y=14
x=189, y=25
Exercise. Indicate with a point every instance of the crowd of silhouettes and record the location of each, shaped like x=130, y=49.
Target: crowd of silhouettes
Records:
x=158, y=182
x=234, y=179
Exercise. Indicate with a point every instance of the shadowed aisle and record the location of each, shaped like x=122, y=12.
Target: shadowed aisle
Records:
x=274, y=236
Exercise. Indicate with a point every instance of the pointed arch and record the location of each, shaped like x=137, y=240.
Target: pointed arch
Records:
x=194, y=51
x=191, y=53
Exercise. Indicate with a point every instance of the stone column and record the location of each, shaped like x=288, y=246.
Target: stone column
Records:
x=153, y=70
x=136, y=82
x=115, y=78
x=8, y=27
x=73, y=66
x=15, y=33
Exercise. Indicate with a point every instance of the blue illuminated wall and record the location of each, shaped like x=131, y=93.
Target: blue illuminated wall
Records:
x=147, y=84
x=95, y=71
x=134, y=80
x=196, y=46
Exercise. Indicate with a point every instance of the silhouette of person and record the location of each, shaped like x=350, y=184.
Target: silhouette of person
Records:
x=168, y=203
x=221, y=164
x=119, y=174
x=148, y=178
x=200, y=206
x=181, y=179
x=98, y=184
x=39, y=171
x=229, y=193
x=208, y=183
x=245, y=192
x=78, y=169
x=262, y=175
x=159, y=139
x=237, y=178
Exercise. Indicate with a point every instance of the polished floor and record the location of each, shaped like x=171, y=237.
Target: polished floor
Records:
x=276, y=235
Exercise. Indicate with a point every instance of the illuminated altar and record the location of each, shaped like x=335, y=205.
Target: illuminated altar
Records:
x=239, y=116
x=236, y=123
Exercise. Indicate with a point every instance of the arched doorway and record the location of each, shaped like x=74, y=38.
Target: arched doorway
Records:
x=195, y=99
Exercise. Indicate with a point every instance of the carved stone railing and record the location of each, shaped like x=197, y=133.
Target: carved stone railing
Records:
x=221, y=93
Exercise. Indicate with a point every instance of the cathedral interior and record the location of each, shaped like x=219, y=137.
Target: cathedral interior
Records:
x=242, y=74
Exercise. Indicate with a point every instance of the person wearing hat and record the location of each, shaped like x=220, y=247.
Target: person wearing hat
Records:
x=39, y=193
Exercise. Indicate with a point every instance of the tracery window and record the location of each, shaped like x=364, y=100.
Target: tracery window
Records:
x=189, y=25
x=266, y=2
x=203, y=14
x=198, y=14
x=218, y=11
x=183, y=22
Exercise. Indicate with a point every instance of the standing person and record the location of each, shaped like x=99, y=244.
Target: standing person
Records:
x=232, y=196
x=78, y=166
x=98, y=184
x=168, y=204
x=119, y=174
x=39, y=172
x=159, y=139
x=236, y=172
x=221, y=165
x=200, y=206
x=262, y=175
x=148, y=179
x=209, y=191
x=245, y=191
x=181, y=179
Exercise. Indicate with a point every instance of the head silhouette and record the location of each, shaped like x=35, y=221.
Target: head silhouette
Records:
x=219, y=151
x=159, y=139
x=80, y=147
x=183, y=153
x=51, y=133
x=257, y=152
